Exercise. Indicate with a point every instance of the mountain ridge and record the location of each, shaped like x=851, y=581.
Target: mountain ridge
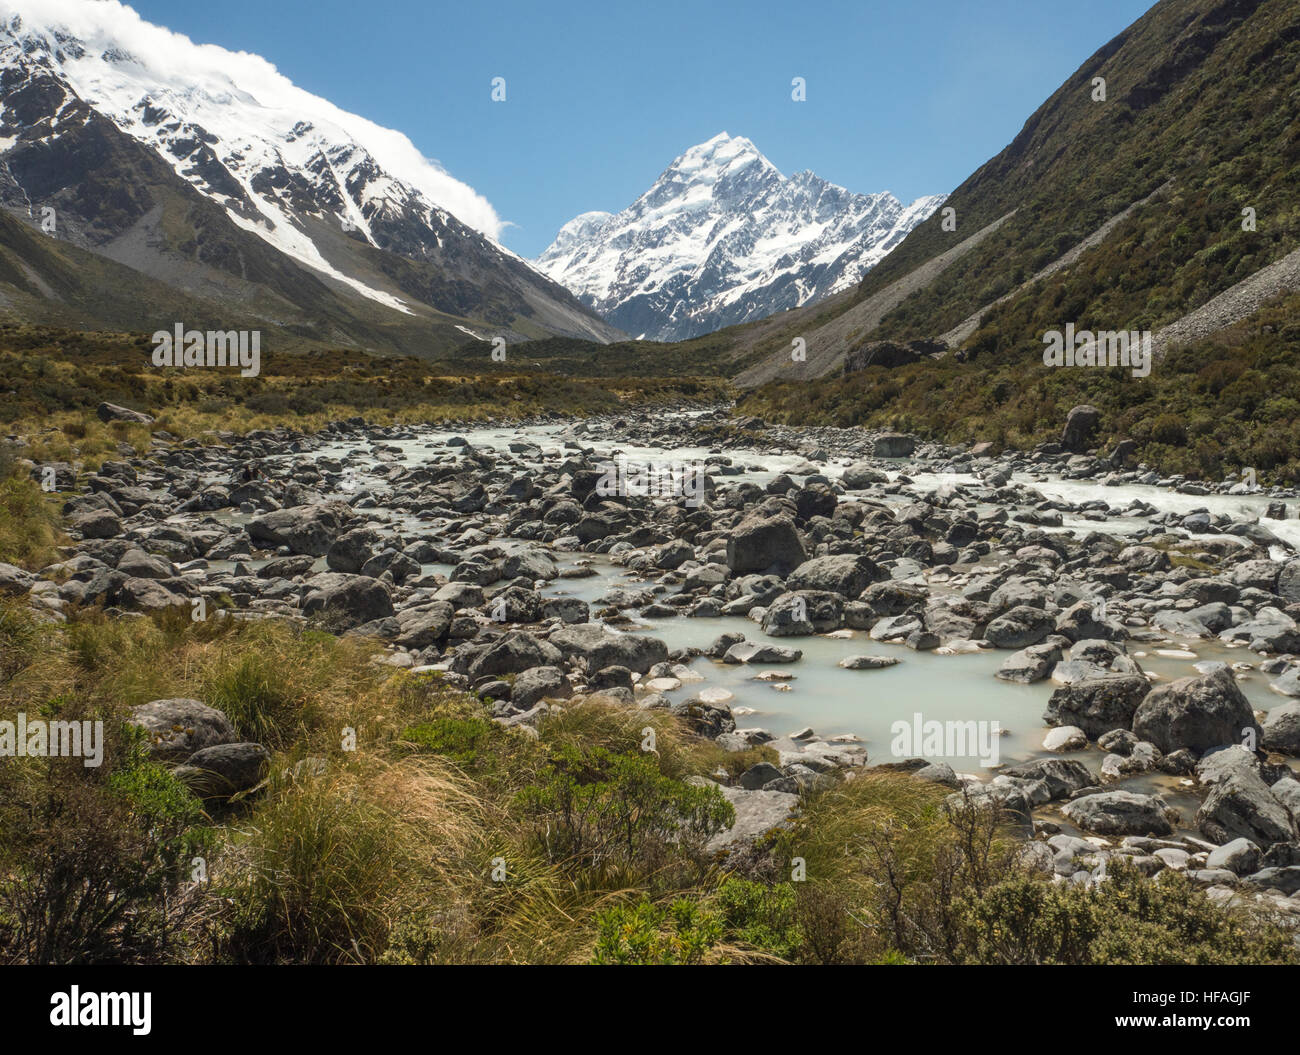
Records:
x=267, y=216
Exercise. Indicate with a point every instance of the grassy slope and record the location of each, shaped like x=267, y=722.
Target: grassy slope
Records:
x=1207, y=410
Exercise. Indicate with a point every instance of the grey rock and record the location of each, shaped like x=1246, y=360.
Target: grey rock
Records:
x=177, y=728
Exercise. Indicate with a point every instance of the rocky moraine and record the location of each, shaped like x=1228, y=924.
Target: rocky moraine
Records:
x=1156, y=617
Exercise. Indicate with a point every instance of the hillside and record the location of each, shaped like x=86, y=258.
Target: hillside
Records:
x=1199, y=122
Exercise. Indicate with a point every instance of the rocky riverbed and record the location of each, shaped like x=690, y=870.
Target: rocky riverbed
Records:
x=1133, y=637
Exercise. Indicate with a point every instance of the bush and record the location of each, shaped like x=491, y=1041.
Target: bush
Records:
x=1126, y=919
x=644, y=934
x=29, y=522
x=593, y=806
x=321, y=869
x=92, y=862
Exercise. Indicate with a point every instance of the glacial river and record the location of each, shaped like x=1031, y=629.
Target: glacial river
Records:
x=863, y=704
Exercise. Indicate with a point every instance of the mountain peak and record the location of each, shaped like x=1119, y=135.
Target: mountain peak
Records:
x=716, y=157
x=722, y=237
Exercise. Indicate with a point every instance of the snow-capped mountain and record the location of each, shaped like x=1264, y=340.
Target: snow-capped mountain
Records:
x=329, y=192
x=722, y=237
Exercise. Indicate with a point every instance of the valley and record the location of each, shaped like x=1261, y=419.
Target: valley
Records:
x=759, y=572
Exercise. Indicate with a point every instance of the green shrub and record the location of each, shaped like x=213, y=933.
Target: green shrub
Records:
x=468, y=741
x=593, y=805
x=645, y=934
x=92, y=862
x=1126, y=919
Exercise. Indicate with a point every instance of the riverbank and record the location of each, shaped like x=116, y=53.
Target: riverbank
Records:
x=487, y=624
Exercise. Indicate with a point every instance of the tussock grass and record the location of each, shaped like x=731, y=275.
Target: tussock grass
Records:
x=29, y=519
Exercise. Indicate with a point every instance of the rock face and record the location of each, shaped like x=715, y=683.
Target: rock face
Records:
x=1080, y=424
x=759, y=543
x=1119, y=813
x=1196, y=713
x=176, y=729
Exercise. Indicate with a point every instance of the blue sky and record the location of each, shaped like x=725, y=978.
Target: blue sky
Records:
x=907, y=97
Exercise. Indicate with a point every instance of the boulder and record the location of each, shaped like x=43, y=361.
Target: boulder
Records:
x=1020, y=626
x=594, y=647
x=224, y=770
x=303, y=529
x=893, y=445
x=1063, y=776
x=802, y=613
x=754, y=652
x=511, y=653
x=1080, y=424
x=107, y=412
x=177, y=728
x=861, y=475
x=14, y=580
x=538, y=683
x=347, y=600
x=1241, y=807
x=1282, y=729
x=1119, y=813
x=1098, y=705
x=1030, y=664
x=350, y=551
x=1240, y=856
x=758, y=543
x=1196, y=713
x=425, y=626
x=847, y=574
